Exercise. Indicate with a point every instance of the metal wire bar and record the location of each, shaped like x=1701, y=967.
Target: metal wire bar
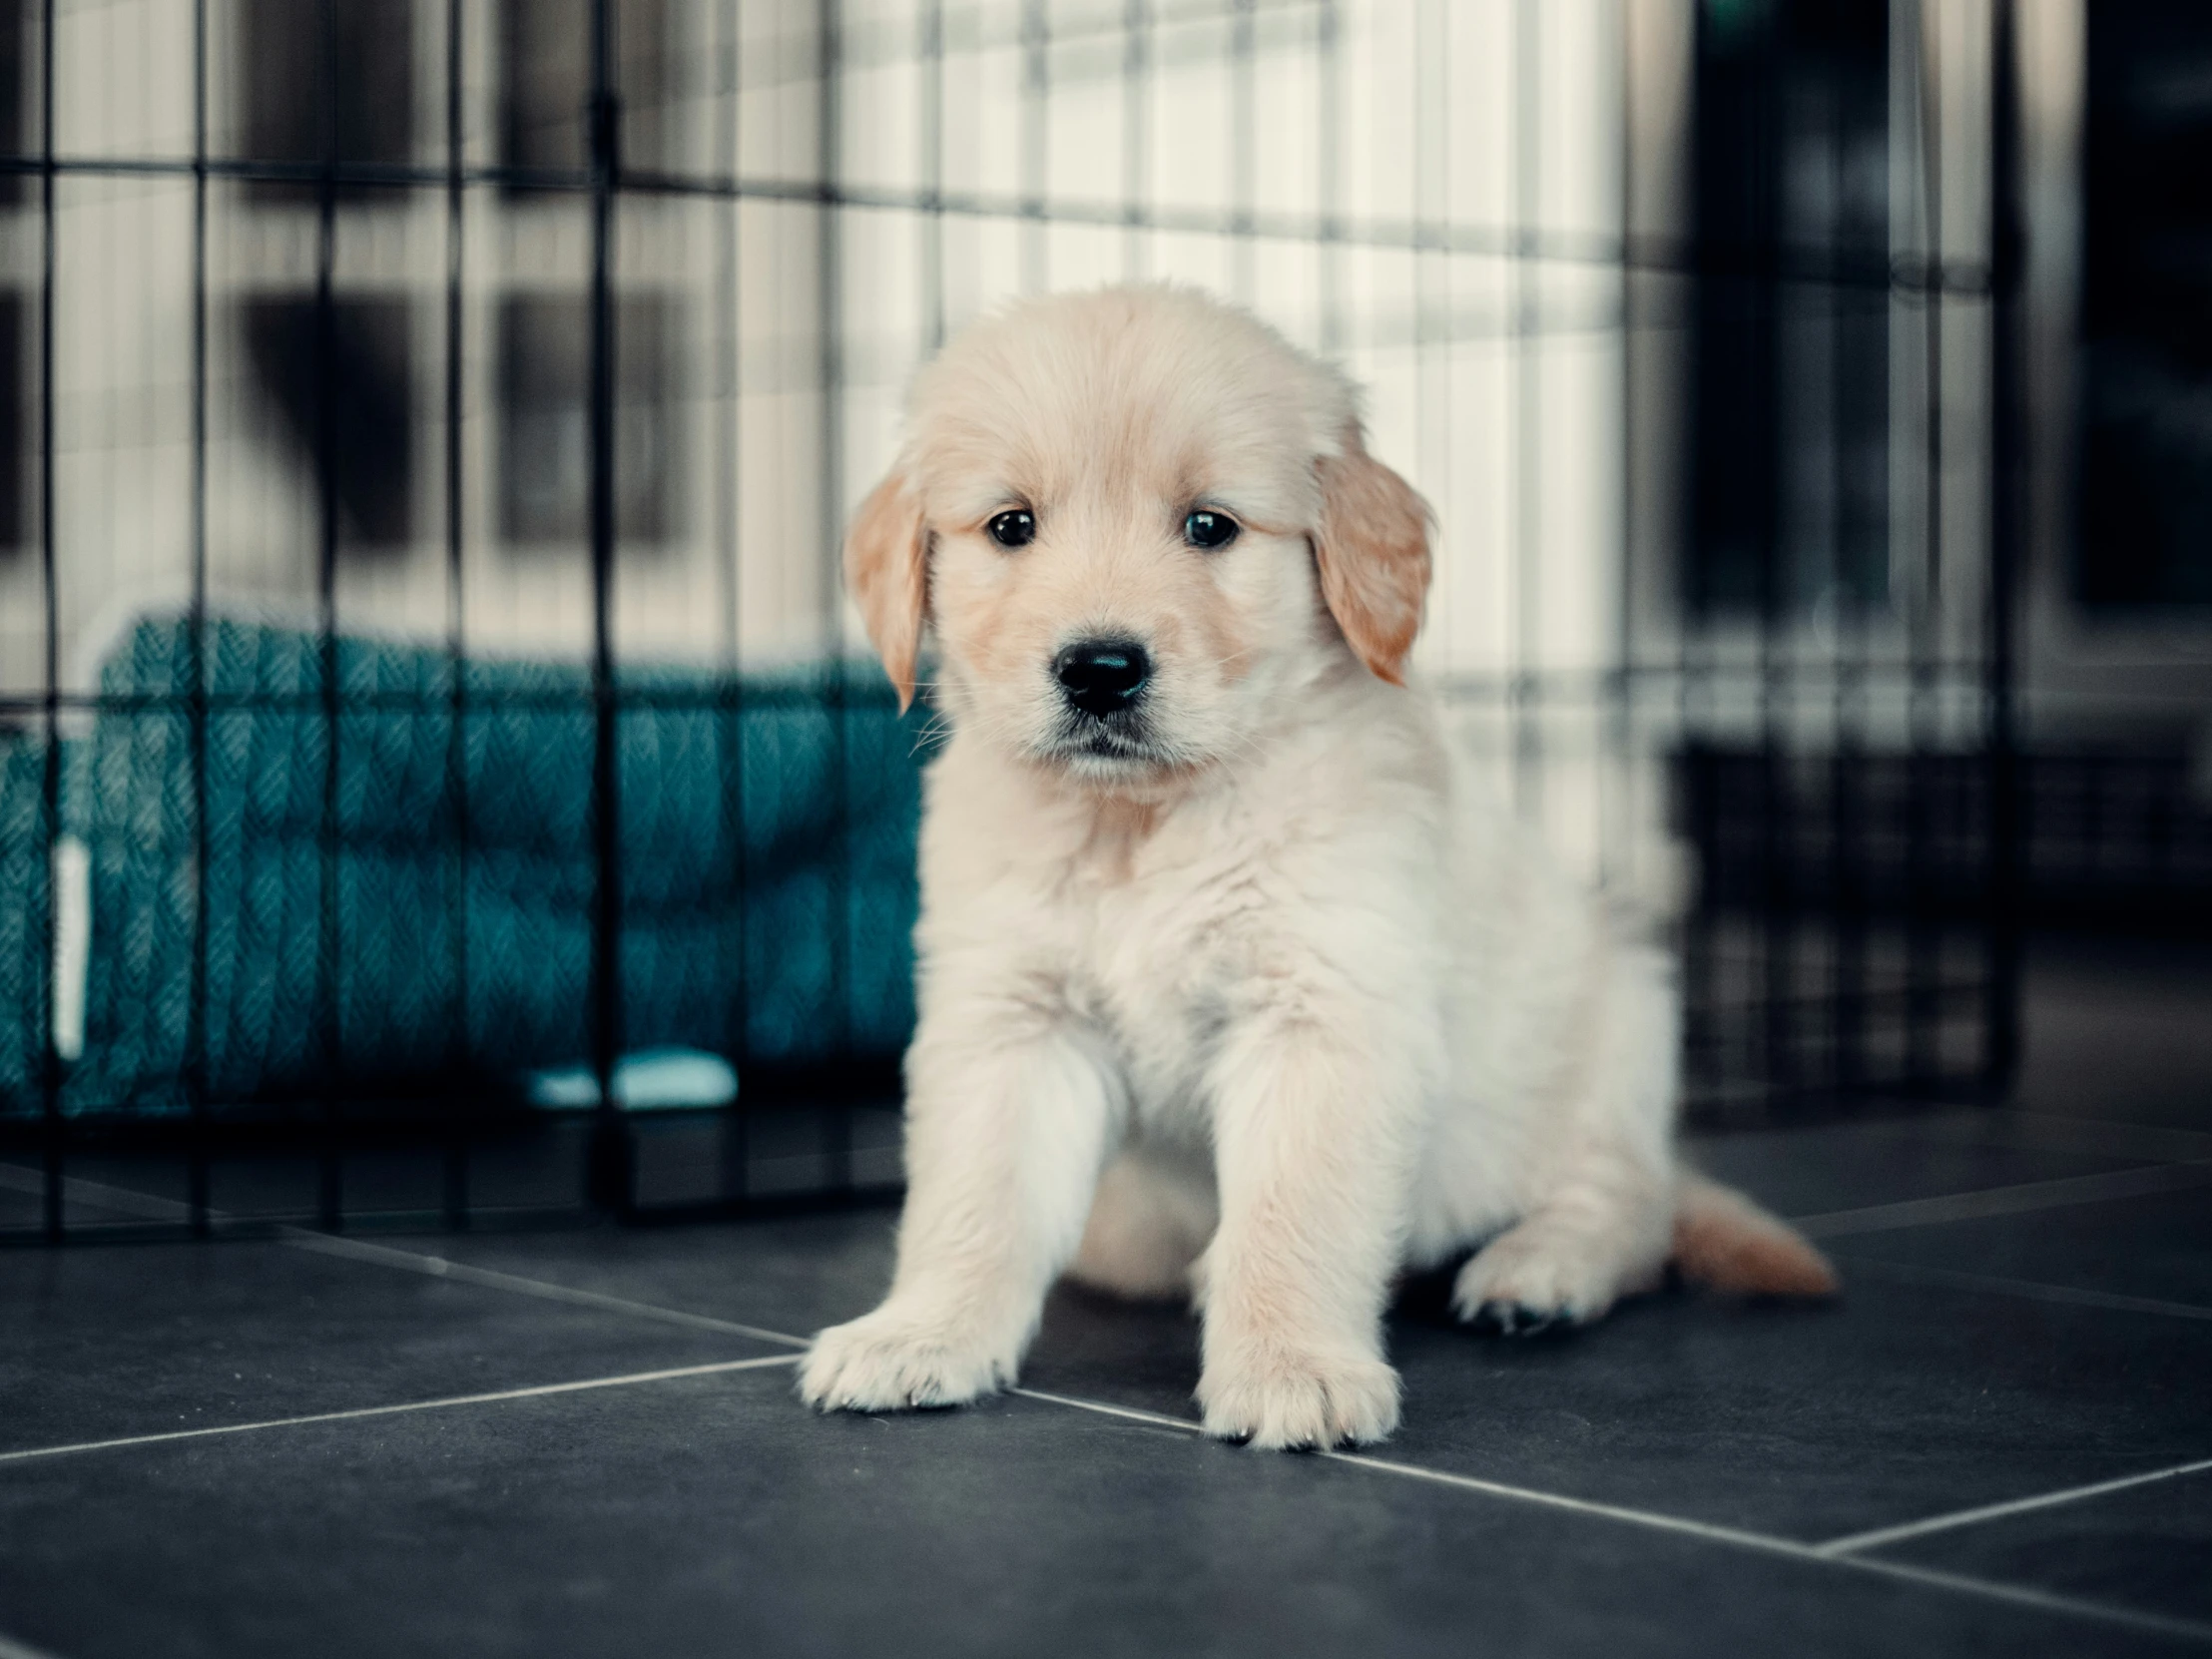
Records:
x=1925, y=947
x=830, y=158
x=1244, y=146
x=930, y=149
x=1136, y=130
x=1328, y=180
x=461, y=1105
x=1555, y=683
x=734, y=1150
x=1802, y=981
x=611, y=1173
x=329, y=945
x=1036, y=160
x=45, y=928
x=1615, y=796
x=196, y=711
x=2000, y=1017
x=1680, y=255
x=1528, y=526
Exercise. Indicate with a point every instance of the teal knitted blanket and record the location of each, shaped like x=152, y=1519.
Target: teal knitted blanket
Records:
x=425, y=912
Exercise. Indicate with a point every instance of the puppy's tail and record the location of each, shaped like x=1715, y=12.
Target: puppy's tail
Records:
x=1723, y=1240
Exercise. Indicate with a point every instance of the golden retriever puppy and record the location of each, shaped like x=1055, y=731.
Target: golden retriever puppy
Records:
x=1232, y=984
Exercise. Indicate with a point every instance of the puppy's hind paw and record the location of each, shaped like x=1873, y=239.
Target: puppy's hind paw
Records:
x=1541, y=1277
x=1283, y=1400
x=1512, y=1318
x=890, y=1362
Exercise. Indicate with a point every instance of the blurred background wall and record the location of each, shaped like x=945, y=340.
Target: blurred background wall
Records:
x=1627, y=464
x=1815, y=396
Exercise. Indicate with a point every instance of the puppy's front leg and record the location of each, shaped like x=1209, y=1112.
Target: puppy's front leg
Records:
x=1008, y=1119
x=1313, y=1131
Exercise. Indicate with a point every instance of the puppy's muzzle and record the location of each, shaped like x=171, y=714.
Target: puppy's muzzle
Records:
x=1099, y=678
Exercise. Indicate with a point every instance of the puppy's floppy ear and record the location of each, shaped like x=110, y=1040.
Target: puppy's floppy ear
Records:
x=886, y=563
x=1373, y=550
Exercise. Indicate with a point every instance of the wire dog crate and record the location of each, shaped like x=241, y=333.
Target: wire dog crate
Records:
x=440, y=783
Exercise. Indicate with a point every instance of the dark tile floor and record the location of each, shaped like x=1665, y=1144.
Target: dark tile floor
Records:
x=585, y=1442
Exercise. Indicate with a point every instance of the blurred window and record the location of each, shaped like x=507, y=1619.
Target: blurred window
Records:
x=17, y=136
x=17, y=453
x=16, y=315
x=546, y=70
x=2146, y=306
x=1791, y=384
x=545, y=418
x=359, y=375
x=326, y=80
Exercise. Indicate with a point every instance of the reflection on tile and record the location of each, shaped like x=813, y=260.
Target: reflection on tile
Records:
x=2157, y=1246
x=107, y=1340
x=2118, y=1031
x=1804, y=1172
x=792, y=1273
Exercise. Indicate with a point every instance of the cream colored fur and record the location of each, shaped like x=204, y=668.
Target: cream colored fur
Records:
x=1274, y=1003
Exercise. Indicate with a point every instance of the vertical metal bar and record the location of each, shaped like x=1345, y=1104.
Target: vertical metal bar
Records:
x=1136, y=133
x=2001, y=1033
x=736, y=1147
x=1036, y=74
x=1244, y=165
x=330, y=1199
x=1527, y=398
x=456, y=1194
x=1777, y=942
x=195, y=1038
x=1922, y=945
x=837, y=1125
x=1616, y=774
x=932, y=174
x=1693, y=761
x=611, y=1177
x=1327, y=175
x=1425, y=58
x=1846, y=905
x=49, y=776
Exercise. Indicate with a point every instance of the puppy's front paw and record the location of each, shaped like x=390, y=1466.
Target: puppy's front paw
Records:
x=1278, y=1398
x=890, y=1360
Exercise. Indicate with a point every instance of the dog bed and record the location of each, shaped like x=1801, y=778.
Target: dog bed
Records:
x=436, y=919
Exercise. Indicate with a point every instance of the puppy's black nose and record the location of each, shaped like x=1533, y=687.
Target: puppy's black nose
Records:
x=1101, y=676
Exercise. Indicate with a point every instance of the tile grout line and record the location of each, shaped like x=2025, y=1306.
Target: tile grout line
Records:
x=1840, y=1548
x=438, y=1266
x=2139, y=1180
x=2028, y=1289
x=412, y=1260
x=1709, y=1531
x=1467, y=1482
x=2024, y=1131
x=16, y=1178
x=1935, y=1578
x=356, y=1413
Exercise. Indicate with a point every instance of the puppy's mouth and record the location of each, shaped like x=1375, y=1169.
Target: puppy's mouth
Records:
x=1118, y=743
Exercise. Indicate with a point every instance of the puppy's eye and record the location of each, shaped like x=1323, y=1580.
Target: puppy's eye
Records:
x=1013, y=529
x=1209, y=529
